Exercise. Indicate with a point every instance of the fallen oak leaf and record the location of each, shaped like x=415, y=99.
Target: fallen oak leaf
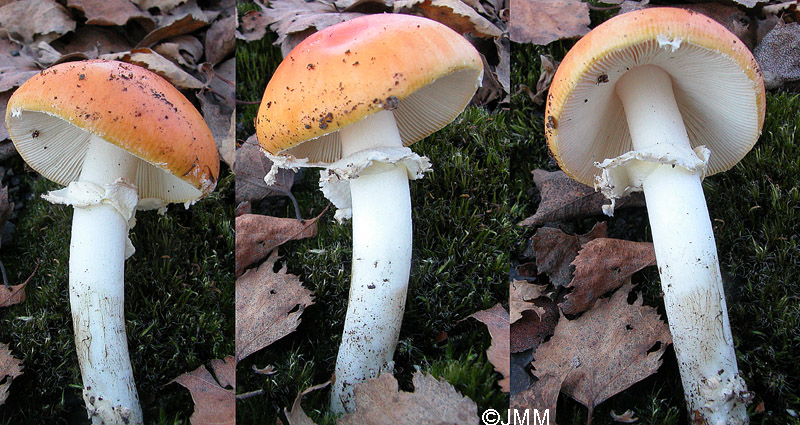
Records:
x=294, y=20
x=606, y=350
x=545, y=21
x=542, y=395
x=268, y=306
x=163, y=5
x=379, y=402
x=183, y=50
x=532, y=329
x=454, y=13
x=257, y=235
x=603, y=265
x=496, y=320
x=162, y=66
x=15, y=68
x=93, y=41
x=555, y=250
x=250, y=168
x=253, y=24
x=778, y=57
x=520, y=297
x=44, y=20
x=564, y=198
x=184, y=25
x=220, y=42
x=4, y=97
x=15, y=294
x=213, y=402
x=10, y=368
x=297, y=416
x=111, y=12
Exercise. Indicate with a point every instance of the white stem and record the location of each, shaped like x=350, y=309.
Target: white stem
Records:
x=381, y=261
x=687, y=255
x=96, y=288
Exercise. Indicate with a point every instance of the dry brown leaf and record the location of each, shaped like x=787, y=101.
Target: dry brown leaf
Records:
x=297, y=416
x=94, y=41
x=606, y=350
x=163, y=5
x=294, y=20
x=491, y=89
x=214, y=399
x=109, y=12
x=162, y=66
x=747, y=3
x=374, y=6
x=183, y=50
x=250, y=168
x=778, y=56
x=15, y=294
x=548, y=70
x=6, y=207
x=603, y=265
x=43, y=53
x=15, y=67
x=541, y=396
x=10, y=368
x=254, y=25
x=218, y=109
x=531, y=330
x=257, y=235
x=268, y=306
x=220, y=42
x=521, y=295
x=44, y=20
x=4, y=97
x=555, y=251
x=564, y=198
x=496, y=319
x=628, y=417
x=378, y=402
x=545, y=21
x=503, y=69
x=184, y=25
x=453, y=13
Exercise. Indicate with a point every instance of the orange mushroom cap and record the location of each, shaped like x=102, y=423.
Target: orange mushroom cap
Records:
x=52, y=116
x=423, y=71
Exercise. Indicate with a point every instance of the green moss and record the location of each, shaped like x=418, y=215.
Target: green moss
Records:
x=462, y=236
x=178, y=305
x=755, y=208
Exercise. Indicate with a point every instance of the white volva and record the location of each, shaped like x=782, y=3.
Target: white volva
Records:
x=96, y=281
x=685, y=249
x=381, y=207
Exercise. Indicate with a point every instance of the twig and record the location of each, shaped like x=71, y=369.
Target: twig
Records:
x=248, y=395
x=247, y=102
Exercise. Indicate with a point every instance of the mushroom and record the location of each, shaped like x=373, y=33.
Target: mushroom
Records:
x=120, y=138
x=655, y=100
x=351, y=98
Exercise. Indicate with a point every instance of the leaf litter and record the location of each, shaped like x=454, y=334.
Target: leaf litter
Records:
x=268, y=306
x=496, y=320
x=213, y=393
x=601, y=353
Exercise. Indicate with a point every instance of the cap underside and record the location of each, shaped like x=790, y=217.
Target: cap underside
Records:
x=717, y=100
x=56, y=148
x=420, y=114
